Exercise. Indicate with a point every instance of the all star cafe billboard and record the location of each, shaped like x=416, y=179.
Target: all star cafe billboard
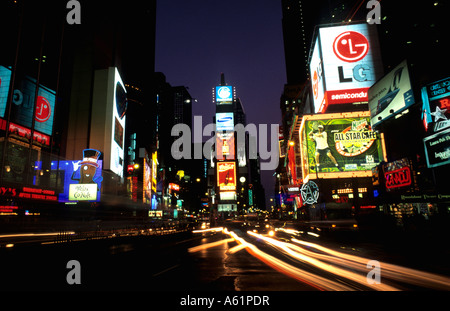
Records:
x=350, y=140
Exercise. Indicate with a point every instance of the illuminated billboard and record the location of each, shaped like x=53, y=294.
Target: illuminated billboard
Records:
x=317, y=81
x=437, y=148
x=225, y=146
x=226, y=176
x=5, y=79
x=339, y=145
x=391, y=94
x=224, y=95
x=24, y=100
x=397, y=174
x=228, y=195
x=346, y=62
x=224, y=121
x=154, y=170
x=108, y=118
x=147, y=182
x=436, y=105
x=81, y=179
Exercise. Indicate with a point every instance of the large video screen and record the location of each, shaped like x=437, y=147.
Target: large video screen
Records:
x=337, y=145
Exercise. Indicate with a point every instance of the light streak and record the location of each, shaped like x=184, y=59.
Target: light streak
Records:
x=311, y=279
x=298, y=253
x=208, y=245
x=217, y=229
x=390, y=271
x=34, y=234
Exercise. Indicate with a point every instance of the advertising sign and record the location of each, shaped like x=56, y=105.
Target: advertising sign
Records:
x=154, y=170
x=390, y=95
x=317, y=80
x=228, y=195
x=348, y=62
x=81, y=179
x=24, y=100
x=224, y=95
x=147, y=182
x=436, y=105
x=397, y=174
x=225, y=146
x=108, y=118
x=226, y=207
x=339, y=144
x=437, y=148
x=83, y=192
x=224, y=121
x=5, y=80
x=226, y=176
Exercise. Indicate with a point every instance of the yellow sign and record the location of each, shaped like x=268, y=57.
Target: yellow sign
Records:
x=83, y=192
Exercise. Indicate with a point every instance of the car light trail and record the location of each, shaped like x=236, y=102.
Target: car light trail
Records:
x=311, y=279
x=389, y=271
x=208, y=245
x=217, y=229
x=19, y=235
x=297, y=253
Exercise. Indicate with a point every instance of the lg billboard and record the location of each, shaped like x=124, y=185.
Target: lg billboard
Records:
x=344, y=64
x=23, y=102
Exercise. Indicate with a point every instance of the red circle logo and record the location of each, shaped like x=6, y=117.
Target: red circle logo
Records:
x=43, y=110
x=350, y=46
x=315, y=82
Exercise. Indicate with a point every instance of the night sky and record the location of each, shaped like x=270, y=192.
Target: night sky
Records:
x=197, y=40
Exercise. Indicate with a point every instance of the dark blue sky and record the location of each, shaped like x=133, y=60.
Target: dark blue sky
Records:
x=197, y=40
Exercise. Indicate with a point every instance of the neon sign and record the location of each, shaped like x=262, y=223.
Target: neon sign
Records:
x=398, y=178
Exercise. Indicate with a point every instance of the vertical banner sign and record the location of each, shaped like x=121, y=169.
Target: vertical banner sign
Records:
x=226, y=176
x=225, y=146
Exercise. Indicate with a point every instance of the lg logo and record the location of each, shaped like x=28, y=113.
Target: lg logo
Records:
x=43, y=107
x=350, y=46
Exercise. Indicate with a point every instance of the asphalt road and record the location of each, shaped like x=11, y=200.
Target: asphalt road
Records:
x=233, y=259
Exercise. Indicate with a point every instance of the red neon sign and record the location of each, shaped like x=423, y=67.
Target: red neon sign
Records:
x=25, y=132
x=398, y=178
x=174, y=187
x=29, y=193
x=445, y=103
